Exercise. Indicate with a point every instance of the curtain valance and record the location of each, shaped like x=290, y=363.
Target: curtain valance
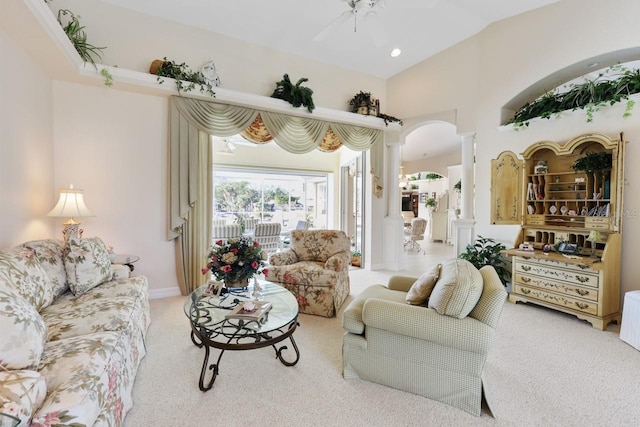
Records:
x=190, y=118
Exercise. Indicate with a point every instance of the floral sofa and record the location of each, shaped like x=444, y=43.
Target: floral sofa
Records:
x=315, y=269
x=72, y=330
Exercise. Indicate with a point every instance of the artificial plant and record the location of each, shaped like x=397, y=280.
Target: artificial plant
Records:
x=181, y=73
x=614, y=85
x=295, y=95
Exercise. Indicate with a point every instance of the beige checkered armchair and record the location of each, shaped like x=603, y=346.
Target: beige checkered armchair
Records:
x=417, y=349
x=315, y=269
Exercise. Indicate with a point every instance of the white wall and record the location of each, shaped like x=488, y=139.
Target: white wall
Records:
x=488, y=70
x=113, y=145
x=27, y=192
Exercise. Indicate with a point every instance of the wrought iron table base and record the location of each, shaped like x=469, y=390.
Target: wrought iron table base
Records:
x=261, y=340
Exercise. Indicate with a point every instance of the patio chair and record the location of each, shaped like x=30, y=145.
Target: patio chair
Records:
x=268, y=235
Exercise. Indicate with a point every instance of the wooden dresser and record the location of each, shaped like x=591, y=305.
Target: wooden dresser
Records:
x=582, y=210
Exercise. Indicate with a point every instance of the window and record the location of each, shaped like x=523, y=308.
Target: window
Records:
x=280, y=196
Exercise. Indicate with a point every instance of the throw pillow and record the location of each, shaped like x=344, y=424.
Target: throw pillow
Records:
x=50, y=254
x=21, y=393
x=458, y=289
x=20, y=269
x=87, y=263
x=24, y=332
x=421, y=288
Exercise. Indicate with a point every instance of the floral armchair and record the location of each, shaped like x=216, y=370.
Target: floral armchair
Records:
x=315, y=269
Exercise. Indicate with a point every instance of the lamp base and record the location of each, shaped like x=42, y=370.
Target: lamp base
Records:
x=71, y=230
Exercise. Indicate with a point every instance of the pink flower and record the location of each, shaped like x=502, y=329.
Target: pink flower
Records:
x=226, y=268
x=235, y=251
x=254, y=265
x=255, y=244
x=219, y=243
x=204, y=270
x=265, y=271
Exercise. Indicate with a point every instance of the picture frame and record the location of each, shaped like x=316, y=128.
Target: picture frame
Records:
x=539, y=169
x=423, y=197
x=214, y=288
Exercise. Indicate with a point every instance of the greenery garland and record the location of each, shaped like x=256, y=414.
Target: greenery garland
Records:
x=614, y=85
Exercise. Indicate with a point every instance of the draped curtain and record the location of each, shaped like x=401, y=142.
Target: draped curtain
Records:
x=190, y=192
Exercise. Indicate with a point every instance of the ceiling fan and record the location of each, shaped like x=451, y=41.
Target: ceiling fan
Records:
x=368, y=11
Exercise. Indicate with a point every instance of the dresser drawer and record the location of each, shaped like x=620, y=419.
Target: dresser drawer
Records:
x=556, y=299
x=577, y=276
x=557, y=286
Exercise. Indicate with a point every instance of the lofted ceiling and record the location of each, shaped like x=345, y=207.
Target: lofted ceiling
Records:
x=420, y=28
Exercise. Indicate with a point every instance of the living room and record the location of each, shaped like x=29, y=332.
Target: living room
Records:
x=60, y=125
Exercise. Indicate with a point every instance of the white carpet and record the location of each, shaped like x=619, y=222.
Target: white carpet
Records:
x=545, y=368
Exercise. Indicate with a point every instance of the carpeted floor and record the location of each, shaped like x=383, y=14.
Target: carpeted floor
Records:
x=545, y=369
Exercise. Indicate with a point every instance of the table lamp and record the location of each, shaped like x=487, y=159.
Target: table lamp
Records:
x=71, y=205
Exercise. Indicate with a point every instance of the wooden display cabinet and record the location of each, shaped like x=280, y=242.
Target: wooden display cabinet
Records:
x=583, y=210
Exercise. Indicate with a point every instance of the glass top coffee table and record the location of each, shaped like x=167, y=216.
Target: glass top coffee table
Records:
x=210, y=328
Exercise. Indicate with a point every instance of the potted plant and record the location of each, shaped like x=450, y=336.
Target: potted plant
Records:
x=431, y=203
x=356, y=258
x=486, y=251
x=595, y=163
x=236, y=261
x=295, y=95
x=181, y=73
x=364, y=103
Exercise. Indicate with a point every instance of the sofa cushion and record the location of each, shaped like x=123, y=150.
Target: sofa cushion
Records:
x=50, y=254
x=352, y=316
x=87, y=264
x=319, y=245
x=422, y=288
x=457, y=290
x=21, y=393
x=23, y=331
x=83, y=374
x=19, y=267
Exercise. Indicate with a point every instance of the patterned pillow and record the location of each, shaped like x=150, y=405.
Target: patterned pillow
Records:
x=19, y=268
x=50, y=254
x=87, y=263
x=21, y=393
x=23, y=331
x=458, y=289
x=422, y=288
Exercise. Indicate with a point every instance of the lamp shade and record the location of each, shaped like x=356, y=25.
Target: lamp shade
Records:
x=71, y=204
x=596, y=237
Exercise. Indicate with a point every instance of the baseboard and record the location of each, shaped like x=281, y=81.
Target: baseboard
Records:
x=164, y=293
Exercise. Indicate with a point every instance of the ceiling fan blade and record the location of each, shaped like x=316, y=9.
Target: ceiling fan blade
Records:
x=336, y=23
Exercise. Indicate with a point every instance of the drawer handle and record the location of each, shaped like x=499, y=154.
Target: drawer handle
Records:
x=582, y=306
x=526, y=268
x=582, y=279
x=526, y=279
x=582, y=292
x=526, y=291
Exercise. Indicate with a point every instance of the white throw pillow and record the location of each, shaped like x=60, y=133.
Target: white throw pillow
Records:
x=87, y=263
x=422, y=288
x=458, y=289
x=24, y=332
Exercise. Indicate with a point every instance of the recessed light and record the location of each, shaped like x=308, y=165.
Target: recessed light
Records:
x=396, y=52
x=593, y=64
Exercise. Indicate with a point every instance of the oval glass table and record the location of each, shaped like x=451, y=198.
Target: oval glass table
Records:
x=210, y=327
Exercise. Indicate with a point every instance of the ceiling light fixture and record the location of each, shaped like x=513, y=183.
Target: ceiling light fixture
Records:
x=395, y=52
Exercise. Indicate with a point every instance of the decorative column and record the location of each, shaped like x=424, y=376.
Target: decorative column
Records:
x=393, y=222
x=464, y=227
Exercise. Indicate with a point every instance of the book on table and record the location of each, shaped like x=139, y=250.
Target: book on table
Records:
x=250, y=310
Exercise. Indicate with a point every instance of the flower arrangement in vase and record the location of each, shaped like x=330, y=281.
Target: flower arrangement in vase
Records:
x=235, y=261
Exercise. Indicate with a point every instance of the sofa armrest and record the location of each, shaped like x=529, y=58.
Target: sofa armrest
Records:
x=286, y=257
x=424, y=323
x=400, y=283
x=338, y=262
